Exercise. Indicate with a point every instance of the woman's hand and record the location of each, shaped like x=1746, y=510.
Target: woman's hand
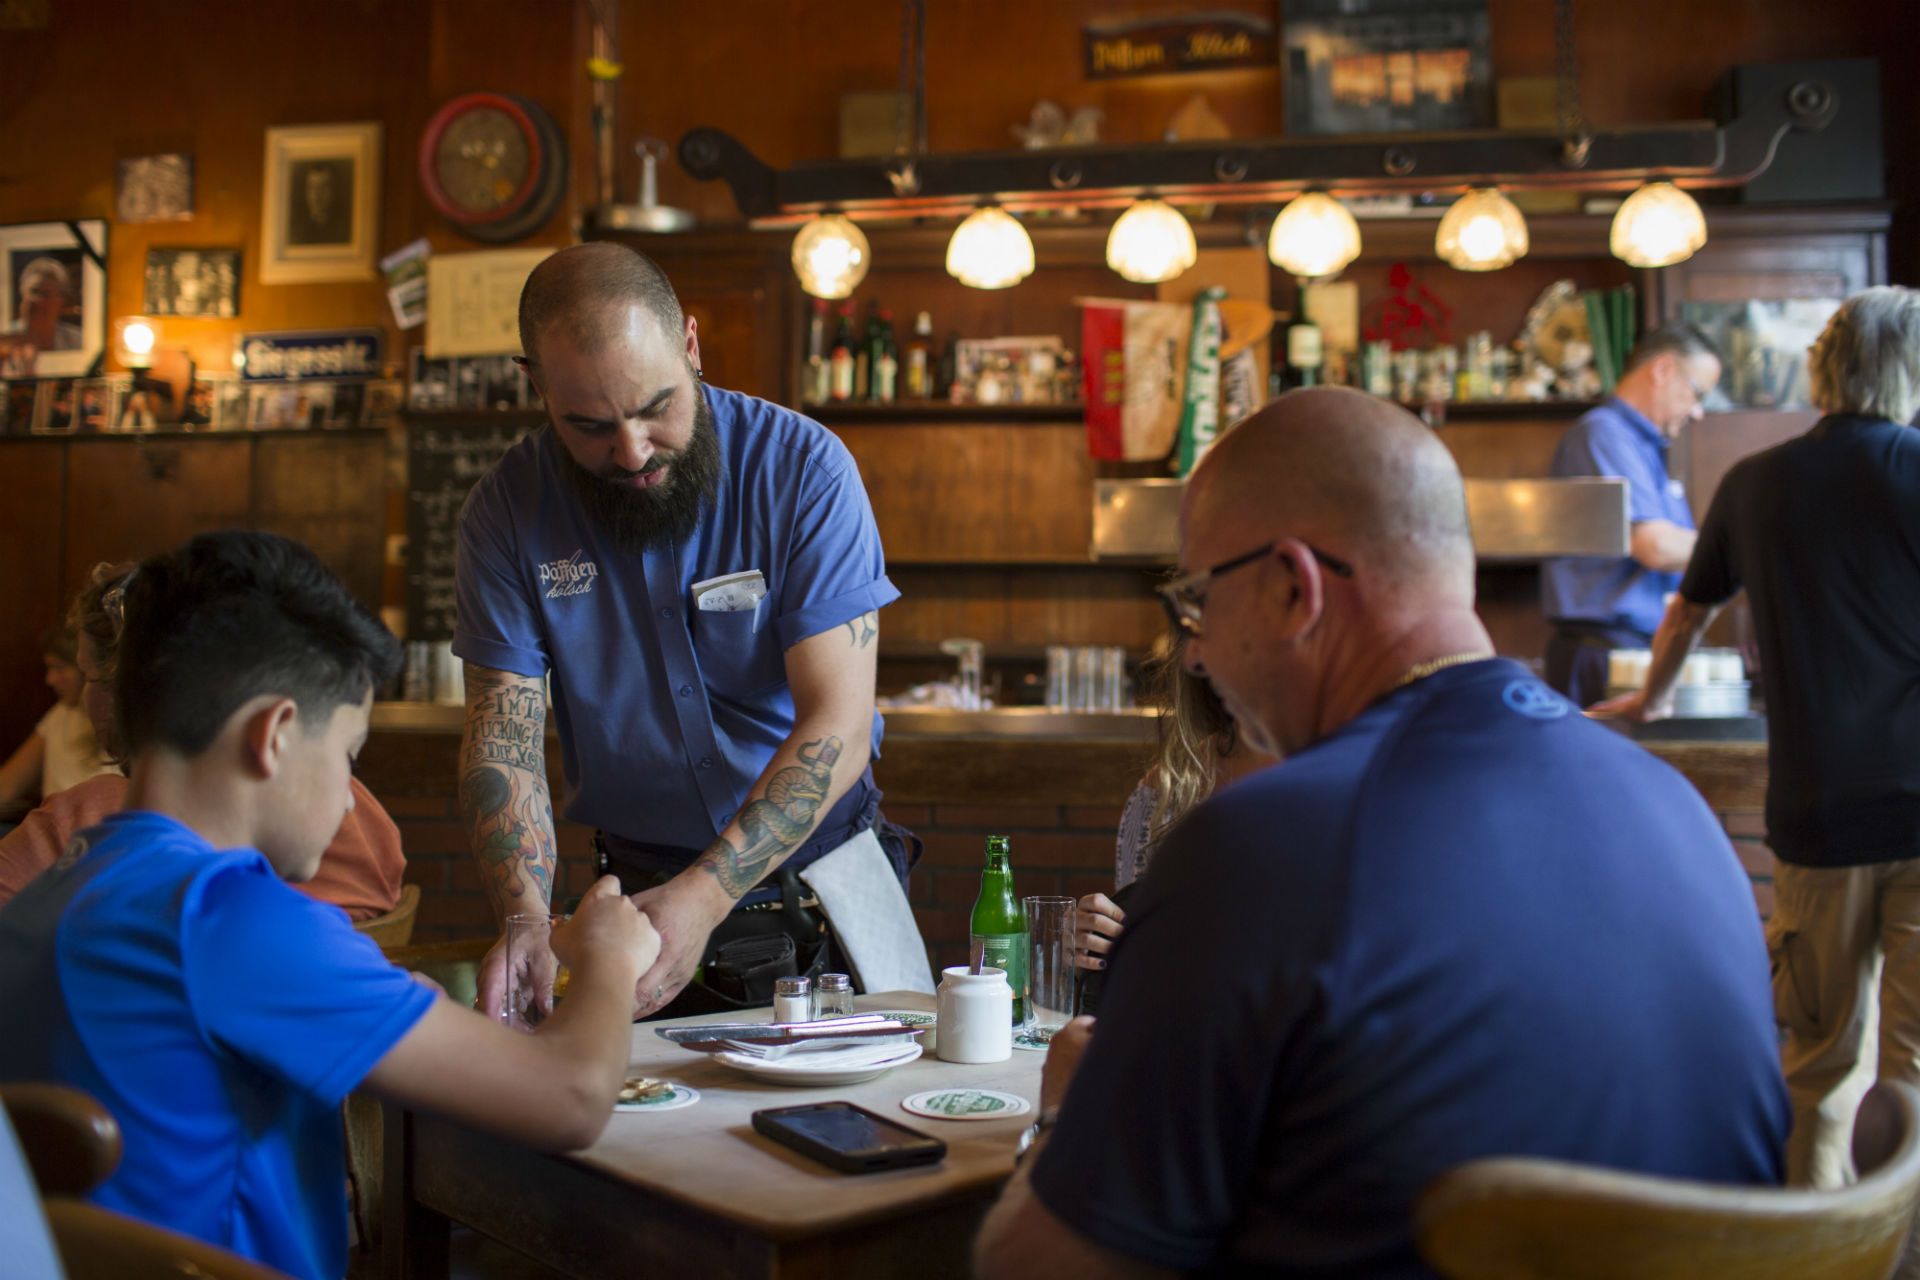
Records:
x=1096, y=926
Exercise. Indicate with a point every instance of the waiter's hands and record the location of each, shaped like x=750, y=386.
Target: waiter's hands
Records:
x=685, y=910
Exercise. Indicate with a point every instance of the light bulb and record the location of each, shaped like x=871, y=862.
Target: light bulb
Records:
x=1151, y=242
x=133, y=341
x=1483, y=231
x=1314, y=236
x=990, y=250
x=139, y=338
x=1657, y=226
x=831, y=256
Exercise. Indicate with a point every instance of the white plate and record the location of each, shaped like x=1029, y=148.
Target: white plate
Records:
x=807, y=1075
x=682, y=1096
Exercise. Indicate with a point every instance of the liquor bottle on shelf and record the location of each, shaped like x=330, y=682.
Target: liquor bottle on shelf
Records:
x=918, y=368
x=998, y=928
x=863, y=354
x=816, y=379
x=1306, y=348
x=886, y=362
x=949, y=369
x=841, y=360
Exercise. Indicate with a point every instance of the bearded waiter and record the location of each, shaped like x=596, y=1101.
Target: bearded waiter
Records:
x=699, y=575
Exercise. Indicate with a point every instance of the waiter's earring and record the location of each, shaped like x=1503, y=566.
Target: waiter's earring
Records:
x=700, y=374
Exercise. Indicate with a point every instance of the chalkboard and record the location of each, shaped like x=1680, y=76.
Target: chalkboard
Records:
x=447, y=453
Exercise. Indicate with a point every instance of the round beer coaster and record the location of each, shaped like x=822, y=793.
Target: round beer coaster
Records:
x=682, y=1096
x=1031, y=1042
x=966, y=1104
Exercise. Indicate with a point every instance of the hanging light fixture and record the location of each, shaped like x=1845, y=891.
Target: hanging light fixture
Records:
x=1151, y=242
x=990, y=250
x=1483, y=231
x=831, y=256
x=1314, y=236
x=1657, y=226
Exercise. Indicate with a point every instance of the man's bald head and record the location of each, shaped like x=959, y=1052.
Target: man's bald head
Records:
x=1348, y=472
x=585, y=292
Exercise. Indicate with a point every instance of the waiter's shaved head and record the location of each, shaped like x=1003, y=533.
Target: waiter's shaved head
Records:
x=586, y=292
x=1350, y=473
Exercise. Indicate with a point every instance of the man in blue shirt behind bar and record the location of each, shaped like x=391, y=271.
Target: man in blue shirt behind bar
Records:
x=1458, y=920
x=1597, y=603
x=700, y=574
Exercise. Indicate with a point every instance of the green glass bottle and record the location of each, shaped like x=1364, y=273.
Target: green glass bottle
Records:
x=999, y=925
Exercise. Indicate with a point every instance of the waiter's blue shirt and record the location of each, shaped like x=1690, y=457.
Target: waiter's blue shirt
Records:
x=1615, y=439
x=668, y=714
x=220, y=1015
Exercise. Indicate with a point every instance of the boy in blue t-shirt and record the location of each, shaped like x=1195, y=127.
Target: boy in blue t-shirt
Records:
x=166, y=967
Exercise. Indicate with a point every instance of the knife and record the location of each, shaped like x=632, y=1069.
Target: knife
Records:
x=778, y=1030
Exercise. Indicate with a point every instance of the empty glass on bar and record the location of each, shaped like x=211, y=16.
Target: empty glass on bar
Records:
x=1059, y=677
x=1050, y=969
x=534, y=978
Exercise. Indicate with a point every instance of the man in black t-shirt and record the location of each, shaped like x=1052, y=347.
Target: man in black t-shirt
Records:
x=1458, y=920
x=1824, y=533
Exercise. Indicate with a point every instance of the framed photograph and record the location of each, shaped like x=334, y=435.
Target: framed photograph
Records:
x=141, y=405
x=57, y=400
x=16, y=409
x=193, y=282
x=202, y=409
x=322, y=209
x=273, y=405
x=155, y=189
x=93, y=410
x=349, y=402
x=384, y=398
x=1385, y=66
x=230, y=404
x=313, y=404
x=53, y=297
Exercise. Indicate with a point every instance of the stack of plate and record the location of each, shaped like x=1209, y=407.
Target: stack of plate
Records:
x=817, y=1067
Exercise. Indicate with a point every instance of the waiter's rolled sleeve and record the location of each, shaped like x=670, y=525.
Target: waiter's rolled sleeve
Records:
x=825, y=615
x=835, y=568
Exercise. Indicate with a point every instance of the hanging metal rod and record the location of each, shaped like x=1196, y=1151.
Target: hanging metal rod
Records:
x=1695, y=153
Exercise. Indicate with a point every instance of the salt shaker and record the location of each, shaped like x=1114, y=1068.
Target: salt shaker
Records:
x=975, y=1016
x=792, y=1000
x=833, y=996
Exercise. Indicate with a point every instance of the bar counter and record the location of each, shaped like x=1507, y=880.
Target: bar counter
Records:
x=1054, y=783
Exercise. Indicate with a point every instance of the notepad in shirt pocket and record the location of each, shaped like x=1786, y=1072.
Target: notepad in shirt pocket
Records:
x=730, y=593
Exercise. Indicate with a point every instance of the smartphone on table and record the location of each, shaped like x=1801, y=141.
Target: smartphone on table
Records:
x=848, y=1138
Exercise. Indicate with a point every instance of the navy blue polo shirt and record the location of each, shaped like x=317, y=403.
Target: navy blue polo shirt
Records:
x=1616, y=439
x=1470, y=922
x=668, y=714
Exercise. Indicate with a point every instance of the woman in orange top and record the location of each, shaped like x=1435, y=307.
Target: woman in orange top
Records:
x=360, y=872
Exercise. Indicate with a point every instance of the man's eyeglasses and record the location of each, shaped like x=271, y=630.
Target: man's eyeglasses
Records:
x=1185, y=598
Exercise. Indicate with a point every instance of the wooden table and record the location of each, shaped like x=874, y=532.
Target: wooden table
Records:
x=698, y=1192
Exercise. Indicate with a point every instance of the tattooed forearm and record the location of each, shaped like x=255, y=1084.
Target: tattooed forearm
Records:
x=503, y=788
x=863, y=629
x=776, y=822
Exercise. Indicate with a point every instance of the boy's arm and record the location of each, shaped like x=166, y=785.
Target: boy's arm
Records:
x=554, y=1089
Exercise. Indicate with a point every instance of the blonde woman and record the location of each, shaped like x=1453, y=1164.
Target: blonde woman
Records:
x=1200, y=752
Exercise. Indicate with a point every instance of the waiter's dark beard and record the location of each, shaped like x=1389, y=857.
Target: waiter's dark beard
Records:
x=637, y=519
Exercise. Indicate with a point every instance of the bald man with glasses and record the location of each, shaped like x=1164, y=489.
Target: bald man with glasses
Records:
x=1458, y=919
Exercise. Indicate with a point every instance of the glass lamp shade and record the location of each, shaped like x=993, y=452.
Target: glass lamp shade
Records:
x=1314, y=236
x=1657, y=226
x=133, y=341
x=1151, y=242
x=990, y=250
x=830, y=255
x=1483, y=231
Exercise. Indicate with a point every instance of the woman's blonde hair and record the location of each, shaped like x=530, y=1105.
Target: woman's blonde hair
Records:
x=1867, y=359
x=1195, y=733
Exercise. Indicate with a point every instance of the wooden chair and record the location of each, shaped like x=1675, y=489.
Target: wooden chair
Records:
x=395, y=928
x=98, y=1244
x=71, y=1142
x=1531, y=1219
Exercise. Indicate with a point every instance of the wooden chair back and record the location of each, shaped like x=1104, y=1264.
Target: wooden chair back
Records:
x=395, y=928
x=1530, y=1219
x=98, y=1244
x=71, y=1142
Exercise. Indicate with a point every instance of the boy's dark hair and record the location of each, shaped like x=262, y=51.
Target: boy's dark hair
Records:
x=228, y=617
x=1680, y=339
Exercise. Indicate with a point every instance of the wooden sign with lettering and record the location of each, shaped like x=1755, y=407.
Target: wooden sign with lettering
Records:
x=1172, y=46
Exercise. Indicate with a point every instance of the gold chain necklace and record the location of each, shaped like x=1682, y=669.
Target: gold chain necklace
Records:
x=1421, y=670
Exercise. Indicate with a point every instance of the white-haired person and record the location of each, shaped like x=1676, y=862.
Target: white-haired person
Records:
x=44, y=293
x=1823, y=532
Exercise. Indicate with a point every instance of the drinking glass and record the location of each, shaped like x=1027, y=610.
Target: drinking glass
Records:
x=1086, y=675
x=1113, y=678
x=1059, y=677
x=535, y=979
x=1050, y=970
